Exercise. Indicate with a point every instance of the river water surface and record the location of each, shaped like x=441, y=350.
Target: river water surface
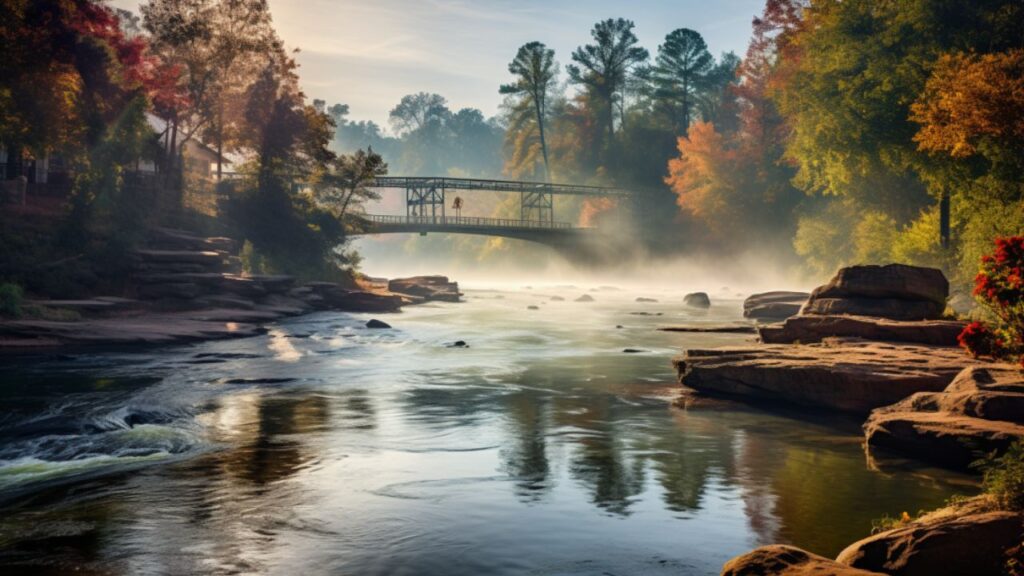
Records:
x=327, y=448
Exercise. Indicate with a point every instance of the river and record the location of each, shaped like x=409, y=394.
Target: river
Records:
x=328, y=448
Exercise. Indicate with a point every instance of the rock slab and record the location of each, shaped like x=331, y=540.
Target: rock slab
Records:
x=777, y=305
x=980, y=412
x=839, y=375
x=810, y=329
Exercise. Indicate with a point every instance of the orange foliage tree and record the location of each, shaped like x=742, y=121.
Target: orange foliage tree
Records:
x=972, y=102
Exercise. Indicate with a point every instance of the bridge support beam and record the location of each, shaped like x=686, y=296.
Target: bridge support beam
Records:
x=423, y=201
x=537, y=206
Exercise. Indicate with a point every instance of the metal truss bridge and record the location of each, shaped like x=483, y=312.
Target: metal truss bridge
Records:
x=425, y=197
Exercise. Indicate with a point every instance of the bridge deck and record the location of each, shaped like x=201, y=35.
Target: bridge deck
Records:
x=396, y=223
x=407, y=182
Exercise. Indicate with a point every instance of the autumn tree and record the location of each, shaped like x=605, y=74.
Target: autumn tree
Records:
x=536, y=73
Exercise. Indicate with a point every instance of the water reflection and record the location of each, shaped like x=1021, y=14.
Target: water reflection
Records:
x=382, y=456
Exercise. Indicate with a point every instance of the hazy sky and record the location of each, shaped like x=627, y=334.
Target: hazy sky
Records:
x=369, y=53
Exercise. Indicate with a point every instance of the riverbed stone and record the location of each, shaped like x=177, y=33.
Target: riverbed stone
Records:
x=780, y=560
x=851, y=376
x=584, y=298
x=697, y=300
x=377, y=324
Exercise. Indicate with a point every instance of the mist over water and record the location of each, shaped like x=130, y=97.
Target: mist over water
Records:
x=326, y=447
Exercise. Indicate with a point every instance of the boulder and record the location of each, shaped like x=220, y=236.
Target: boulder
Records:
x=584, y=298
x=966, y=539
x=894, y=291
x=892, y=281
x=781, y=560
x=851, y=376
x=427, y=287
x=776, y=305
x=377, y=324
x=697, y=300
x=980, y=412
x=808, y=329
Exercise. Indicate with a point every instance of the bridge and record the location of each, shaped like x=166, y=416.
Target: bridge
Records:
x=426, y=209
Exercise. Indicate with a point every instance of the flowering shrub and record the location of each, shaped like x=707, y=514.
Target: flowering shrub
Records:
x=999, y=286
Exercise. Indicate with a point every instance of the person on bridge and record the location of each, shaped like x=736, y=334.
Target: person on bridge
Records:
x=457, y=205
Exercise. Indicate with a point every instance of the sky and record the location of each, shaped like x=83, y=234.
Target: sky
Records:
x=370, y=53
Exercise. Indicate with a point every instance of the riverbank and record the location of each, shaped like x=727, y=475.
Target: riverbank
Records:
x=873, y=343
x=186, y=288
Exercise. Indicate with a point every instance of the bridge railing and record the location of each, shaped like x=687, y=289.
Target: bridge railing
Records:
x=469, y=221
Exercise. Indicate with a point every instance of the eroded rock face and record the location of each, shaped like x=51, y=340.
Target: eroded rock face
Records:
x=431, y=288
x=966, y=539
x=781, y=560
x=894, y=291
x=776, y=305
x=697, y=300
x=839, y=375
x=980, y=412
x=809, y=329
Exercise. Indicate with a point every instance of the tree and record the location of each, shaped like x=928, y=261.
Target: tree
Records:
x=222, y=47
x=536, y=74
x=347, y=181
x=604, y=67
x=680, y=73
x=418, y=112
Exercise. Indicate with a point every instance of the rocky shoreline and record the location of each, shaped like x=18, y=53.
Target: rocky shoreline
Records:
x=874, y=342
x=186, y=288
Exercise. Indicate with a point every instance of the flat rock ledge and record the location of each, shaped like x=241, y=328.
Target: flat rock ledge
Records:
x=809, y=329
x=849, y=376
x=779, y=560
x=777, y=305
x=980, y=412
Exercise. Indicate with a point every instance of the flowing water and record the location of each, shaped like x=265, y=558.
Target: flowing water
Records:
x=327, y=448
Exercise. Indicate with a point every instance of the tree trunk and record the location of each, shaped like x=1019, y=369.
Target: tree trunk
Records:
x=543, y=141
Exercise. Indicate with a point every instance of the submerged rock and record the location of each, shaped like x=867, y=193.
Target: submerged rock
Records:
x=377, y=324
x=457, y=344
x=557, y=299
x=697, y=300
x=782, y=560
x=532, y=307
x=584, y=298
x=648, y=300
x=980, y=412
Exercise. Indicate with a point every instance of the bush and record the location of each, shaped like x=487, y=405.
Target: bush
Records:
x=11, y=297
x=999, y=286
x=1004, y=477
